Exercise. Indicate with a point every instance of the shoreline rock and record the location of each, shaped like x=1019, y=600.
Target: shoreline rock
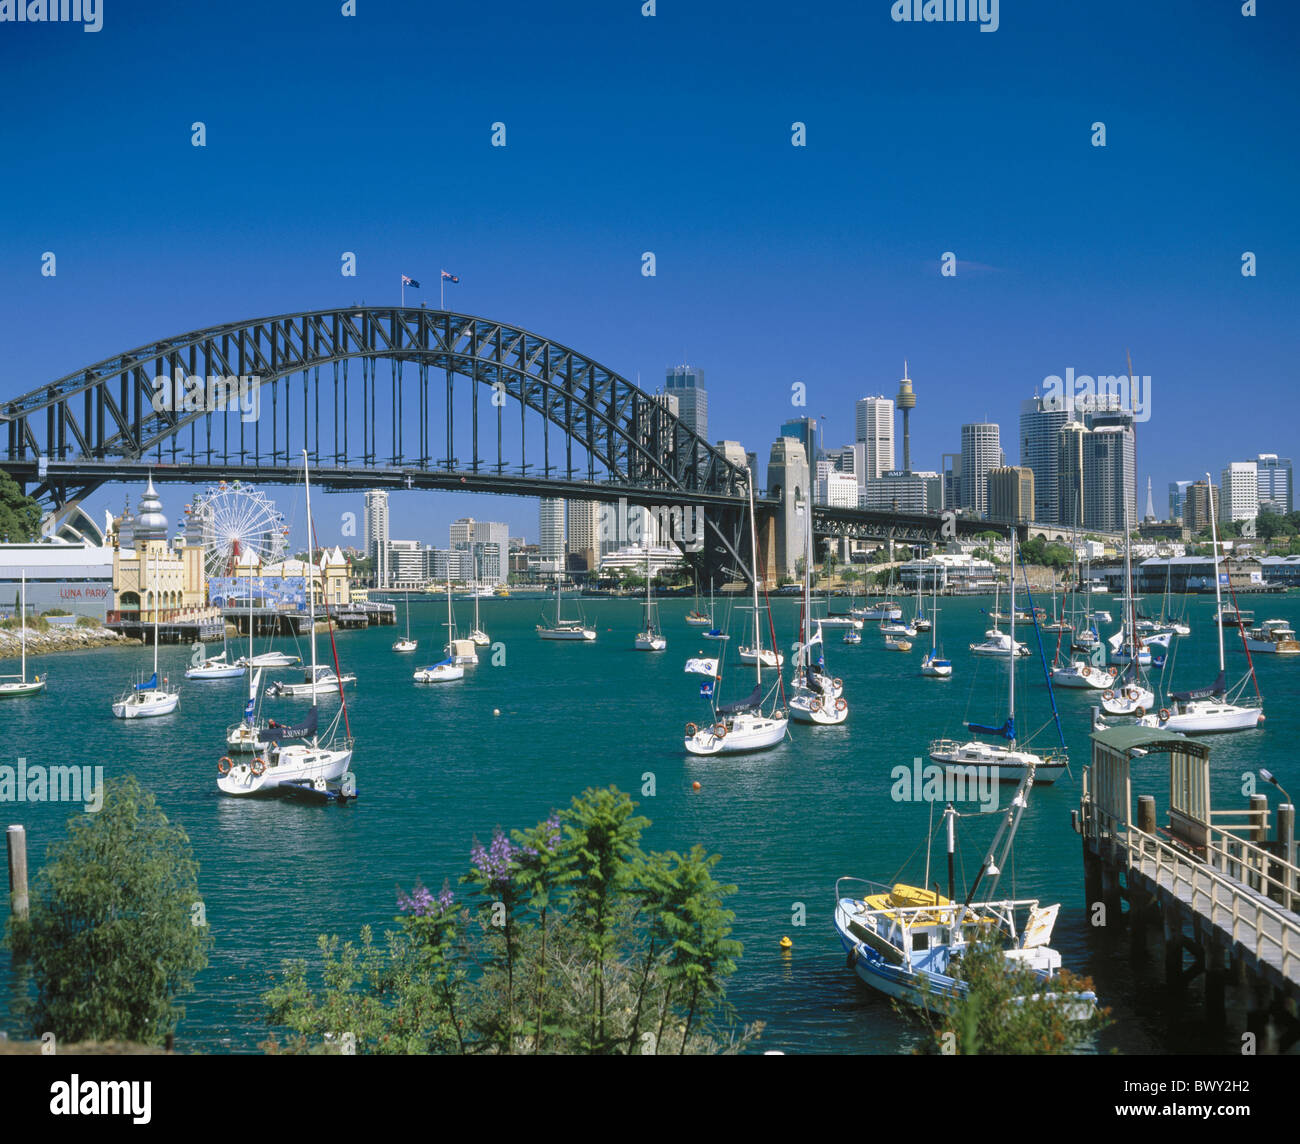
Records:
x=60, y=639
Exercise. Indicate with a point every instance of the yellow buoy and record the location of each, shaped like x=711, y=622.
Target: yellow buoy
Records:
x=786, y=943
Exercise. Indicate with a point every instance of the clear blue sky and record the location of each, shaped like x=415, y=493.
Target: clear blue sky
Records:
x=672, y=134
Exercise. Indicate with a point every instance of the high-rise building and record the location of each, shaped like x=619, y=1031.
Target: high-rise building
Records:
x=804, y=430
x=686, y=384
x=487, y=543
x=1109, y=475
x=584, y=532
x=950, y=485
x=1273, y=474
x=788, y=478
x=835, y=488
x=550, y=530
x=1040, y=430
x=1177, y=493
x=1239, y=492
x=1200, y=503
x=1011, y=494
x=902, y=492
x=981, y=450
x=406, y=564
x=376, y=535
x=875, y=430
x=1069, y=474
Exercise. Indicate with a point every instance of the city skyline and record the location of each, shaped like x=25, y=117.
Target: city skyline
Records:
x=550, y=230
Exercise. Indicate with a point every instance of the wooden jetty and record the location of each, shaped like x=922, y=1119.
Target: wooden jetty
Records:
x=1218, y=886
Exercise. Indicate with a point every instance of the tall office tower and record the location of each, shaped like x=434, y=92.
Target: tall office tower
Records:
x=1011, y=494
x=376, y=534
x=1069, y=474
x=550, y=530
x=1200, y=502
x=1109, y=477
x=902, y=492
x=906, y=402
x=486, y=544
x=584, y=532
x=981, y=451
x=804, y=429
x=1040, y=429
x=789, y=479
x=406, y=563
x=834, y=487
x=1273, y=474
x=1239, y=492
x=950, y=481
x=1177, y=497
x=686, y=383
x=875, y=430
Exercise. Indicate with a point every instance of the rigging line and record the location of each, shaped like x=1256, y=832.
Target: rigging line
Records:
x=1241, y=628
x=1042, y=657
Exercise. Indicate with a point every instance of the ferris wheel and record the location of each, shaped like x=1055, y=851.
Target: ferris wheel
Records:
x=233, y=519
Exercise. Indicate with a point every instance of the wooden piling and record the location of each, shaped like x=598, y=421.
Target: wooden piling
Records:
x=1286, y=849
x=16, y=844
x=1147, y=813
x=1259, y=805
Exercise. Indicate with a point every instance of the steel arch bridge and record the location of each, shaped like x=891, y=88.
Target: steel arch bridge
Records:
x=110, y=420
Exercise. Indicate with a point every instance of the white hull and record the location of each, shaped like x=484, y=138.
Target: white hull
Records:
x=1129, y=701
x=1003, y=763
x=243, y=739
x=440, y=673
x=479, y=639
x=744, y=733
x=307, y=690
x=269, y=659
x=936, y=668
x=566, y=633
x=1203, y=717
x=645, y=642
x=770, y=658
x=219, y=671
x=295, y=763
x=145, y=704
x=806, y=707
x=406, y=645
x=838, y=622
x=18, y=690
x=1082, y=675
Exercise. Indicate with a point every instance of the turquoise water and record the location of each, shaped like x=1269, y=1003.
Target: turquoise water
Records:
x=435, y=768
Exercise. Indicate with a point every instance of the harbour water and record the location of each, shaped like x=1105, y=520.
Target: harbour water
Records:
x=436, y=768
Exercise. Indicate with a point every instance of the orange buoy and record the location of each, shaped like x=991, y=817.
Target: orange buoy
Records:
x=695, y=786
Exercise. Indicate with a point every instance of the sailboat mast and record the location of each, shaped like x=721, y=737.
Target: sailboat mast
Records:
x=1218, y=594
x=311, y=578
x=22, y=621
x=753, y=555
x=1011, y=700
x=155, y=616
x=807, y=587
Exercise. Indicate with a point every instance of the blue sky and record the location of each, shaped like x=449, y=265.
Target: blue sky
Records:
x=672, y=134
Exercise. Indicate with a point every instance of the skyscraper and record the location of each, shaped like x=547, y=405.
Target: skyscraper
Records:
x=981, y=450
x=584, y=532
x=1011, y=494
x=1273, y=474
x=1177, y=495
x=686, y=384
x=376, y=534
x=550, y=530
x=1069, y=474
x=1109, y=473
x=1239, y=492
x=875, y=430
x=487, y=544
x=1200, y=502
x=1040, y=430
x=804, y=429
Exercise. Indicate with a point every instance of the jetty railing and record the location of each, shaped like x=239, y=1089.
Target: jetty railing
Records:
x=1252, y=920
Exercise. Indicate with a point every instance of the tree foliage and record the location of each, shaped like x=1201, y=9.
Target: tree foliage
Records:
x=112, y=935
x=20, y=515
x=1008, y=1011
x=572, y=940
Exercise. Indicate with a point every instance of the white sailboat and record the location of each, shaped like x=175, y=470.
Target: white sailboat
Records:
x=286, y=762
x=147, y=699
x=815, y=697
x=245, y=737
x=406, y=643
x=1003, y=763
x=321, y=679
x=920, y=621
x=935, y=665
x=478, y=637
x=742, y=727
x=1129, y=693
x=695, y=617
x=1073, y=670
x=650, y=637
x=995, y=641
x=714, y=632
x=217, y=666
x=1210, y=709
x=451, y=668
x=23, y=686
x=755, y=652
x=460, y=652
x=270, y=657
x=565, y=629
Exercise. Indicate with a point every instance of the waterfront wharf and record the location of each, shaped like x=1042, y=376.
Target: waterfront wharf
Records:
x=1221, y=886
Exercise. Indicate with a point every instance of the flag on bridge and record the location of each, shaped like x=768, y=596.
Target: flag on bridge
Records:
x=410, y=282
